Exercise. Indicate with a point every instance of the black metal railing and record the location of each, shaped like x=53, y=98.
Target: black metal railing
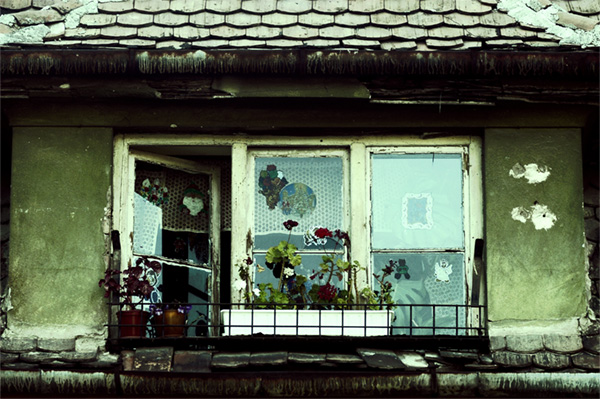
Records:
x=210, y=320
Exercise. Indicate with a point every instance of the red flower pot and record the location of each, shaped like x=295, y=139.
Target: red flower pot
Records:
x=132, y=323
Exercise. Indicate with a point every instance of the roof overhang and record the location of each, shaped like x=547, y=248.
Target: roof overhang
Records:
x=582, y=65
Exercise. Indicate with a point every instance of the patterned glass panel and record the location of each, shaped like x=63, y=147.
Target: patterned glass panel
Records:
x=425, y=279
x=417, y=201
x=307, y=190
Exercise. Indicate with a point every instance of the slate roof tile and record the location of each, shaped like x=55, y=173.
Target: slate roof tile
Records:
x=227, y=32
x=481, y=32
x=188, y=6
x=350, y=19
x=57, y=30
x=134, y=18
x=517, y=32
x=35, y=17
x=366, y=6
x=246, y=43
x=316, y=19
x=171, y=44
x=300, y=32
x=263, y=32
x=408, y=45
x=279, y=19
x=138, y=43
x=190, y=32
x=259, y=6
x=373, y=32
x=336, y=32
x=294, y=6
x=223, y=6
x=409, y=32
x=322, y=43
x=427, y=20
x=98, y=20
x=576, y=21
x=458, y=19
x=330, y=6
x=63, y=7
x=116, y=7
x=116, y=31
x=401, y=6
x=283, y=43
x=62, y=42
x=16, y=4
x=207, y=19
x=445, y=33
x=100, y=42
x=360, y=43
x=376, y=24
x=155, y=32
x=213, y=43
x=496, y=18
x=438, y=5
x=472, y=6
x=562, y=4
x=82, y=33
x=171, y=19
x=151, y=5
x=503, y=42
x=242, y=19
x=388, y=19
x=584, y=6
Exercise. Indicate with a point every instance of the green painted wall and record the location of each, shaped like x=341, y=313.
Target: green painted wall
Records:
x=60, y=181
x=534, y=273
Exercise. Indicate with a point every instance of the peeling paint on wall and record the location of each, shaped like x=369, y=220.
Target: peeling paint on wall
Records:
x=540, y=215
x=570, y=28
x=532, y=172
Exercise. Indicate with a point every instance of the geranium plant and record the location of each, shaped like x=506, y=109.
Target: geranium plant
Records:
x=135, y=286
x=333, y=284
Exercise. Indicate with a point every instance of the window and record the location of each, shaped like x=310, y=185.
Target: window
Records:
x=412, y=207
x=419, y=231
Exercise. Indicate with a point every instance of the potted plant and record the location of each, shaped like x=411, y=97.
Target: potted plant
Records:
x=295, y=304
x=169, y=320
x=132, y=289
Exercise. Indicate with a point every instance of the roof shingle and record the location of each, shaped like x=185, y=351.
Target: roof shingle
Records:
x=391, y=25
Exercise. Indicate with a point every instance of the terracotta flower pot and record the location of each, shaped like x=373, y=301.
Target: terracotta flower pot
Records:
x=132, y=323
x=169, y=324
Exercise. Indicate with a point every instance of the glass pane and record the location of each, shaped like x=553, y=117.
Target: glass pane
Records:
x=425, y=279
x=307, y=190
x=417, y=201
x=171, y=214
x=308, y=268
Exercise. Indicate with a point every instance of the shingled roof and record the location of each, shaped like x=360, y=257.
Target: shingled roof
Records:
x=391, y=25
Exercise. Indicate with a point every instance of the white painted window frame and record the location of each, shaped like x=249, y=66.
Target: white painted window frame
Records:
x=359, y=148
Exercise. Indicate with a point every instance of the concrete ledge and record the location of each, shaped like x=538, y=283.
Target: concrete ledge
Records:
x=311, y=384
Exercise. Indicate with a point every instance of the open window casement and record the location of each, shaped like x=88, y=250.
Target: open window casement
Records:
x=170, y=211
x=425, y=218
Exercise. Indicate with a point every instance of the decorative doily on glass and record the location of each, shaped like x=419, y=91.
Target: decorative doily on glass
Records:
x=297, y=199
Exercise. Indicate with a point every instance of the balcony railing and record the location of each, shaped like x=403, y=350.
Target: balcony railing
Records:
x=222, y=320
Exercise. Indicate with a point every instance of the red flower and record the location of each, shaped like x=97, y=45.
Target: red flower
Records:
x=327, y=292
x=323, y=233
x=290, y=224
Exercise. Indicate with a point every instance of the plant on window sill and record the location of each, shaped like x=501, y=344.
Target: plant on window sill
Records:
x=318, y=290
x=136, y=287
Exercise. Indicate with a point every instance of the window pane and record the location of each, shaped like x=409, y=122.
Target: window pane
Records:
x=307, y=190
x=417, y=201
x=425, y=279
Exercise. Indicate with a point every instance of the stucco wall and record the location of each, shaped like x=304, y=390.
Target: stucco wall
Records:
x=60, y=182
x=534, y=225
